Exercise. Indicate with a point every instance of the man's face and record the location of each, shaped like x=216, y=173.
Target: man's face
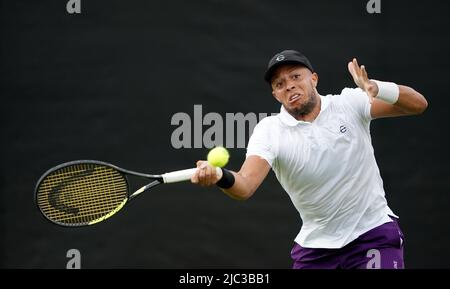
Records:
x=294, y=86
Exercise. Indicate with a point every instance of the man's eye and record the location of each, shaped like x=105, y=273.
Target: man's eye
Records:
x=296, y=76
x=278, y=85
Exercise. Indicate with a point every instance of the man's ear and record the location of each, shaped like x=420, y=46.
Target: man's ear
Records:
x=315, y=79
x=276, y=97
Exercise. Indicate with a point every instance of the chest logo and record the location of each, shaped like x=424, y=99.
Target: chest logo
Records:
x=342, y=128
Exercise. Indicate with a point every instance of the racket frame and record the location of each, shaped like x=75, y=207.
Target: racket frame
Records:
x=157, y=179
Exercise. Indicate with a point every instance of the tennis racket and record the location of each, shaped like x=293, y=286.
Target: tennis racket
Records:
x=86, y=192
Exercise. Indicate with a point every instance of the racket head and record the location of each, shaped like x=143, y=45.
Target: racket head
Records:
x=81, y=193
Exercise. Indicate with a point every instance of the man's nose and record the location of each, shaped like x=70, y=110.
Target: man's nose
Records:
x=290, y=85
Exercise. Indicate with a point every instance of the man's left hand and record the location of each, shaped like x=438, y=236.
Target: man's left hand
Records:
x=361, y=79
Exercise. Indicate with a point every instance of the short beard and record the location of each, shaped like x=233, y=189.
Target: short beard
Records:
x=305, y=109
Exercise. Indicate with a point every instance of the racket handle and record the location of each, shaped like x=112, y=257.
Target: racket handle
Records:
x=184, y=175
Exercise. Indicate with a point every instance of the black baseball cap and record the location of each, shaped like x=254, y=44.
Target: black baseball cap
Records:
x=286, y=57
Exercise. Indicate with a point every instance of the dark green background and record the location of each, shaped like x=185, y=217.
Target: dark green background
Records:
x=104, y=85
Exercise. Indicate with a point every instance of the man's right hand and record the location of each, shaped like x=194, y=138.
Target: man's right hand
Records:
x=206, y=175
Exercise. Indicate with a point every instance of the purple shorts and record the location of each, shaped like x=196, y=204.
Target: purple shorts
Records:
x=379, y=248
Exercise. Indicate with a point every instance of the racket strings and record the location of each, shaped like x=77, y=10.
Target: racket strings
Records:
x=85, y=195
x=81, y=193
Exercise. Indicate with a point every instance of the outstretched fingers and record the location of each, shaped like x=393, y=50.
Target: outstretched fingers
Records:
x=354, y=69
x=364, y=73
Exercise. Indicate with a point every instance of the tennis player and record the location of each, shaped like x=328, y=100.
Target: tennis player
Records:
x=321, y=152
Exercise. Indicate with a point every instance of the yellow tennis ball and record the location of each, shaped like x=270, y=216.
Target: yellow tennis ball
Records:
x=218, y=157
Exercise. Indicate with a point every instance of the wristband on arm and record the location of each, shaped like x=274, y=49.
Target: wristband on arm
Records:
x=227, y=179
x=387, y=91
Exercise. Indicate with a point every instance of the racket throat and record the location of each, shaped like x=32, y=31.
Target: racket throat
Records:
x=144, y=188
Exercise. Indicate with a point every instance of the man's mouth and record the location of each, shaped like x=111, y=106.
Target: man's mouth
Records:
x=294, y=97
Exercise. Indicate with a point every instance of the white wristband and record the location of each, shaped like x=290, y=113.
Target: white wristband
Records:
x=387, y=91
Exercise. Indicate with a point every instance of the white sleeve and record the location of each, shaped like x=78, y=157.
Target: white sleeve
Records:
x=358, y=102
x=262, y=144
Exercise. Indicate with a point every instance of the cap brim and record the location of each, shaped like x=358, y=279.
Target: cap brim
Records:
x=269, y=72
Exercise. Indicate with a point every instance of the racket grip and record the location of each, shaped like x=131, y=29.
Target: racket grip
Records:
x=183, y=175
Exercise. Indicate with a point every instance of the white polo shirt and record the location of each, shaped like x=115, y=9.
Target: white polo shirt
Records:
x=328, y=168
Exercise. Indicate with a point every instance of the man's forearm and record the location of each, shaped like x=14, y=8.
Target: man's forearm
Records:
x=397, y=100
x=410, y=101
x=241, y=190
